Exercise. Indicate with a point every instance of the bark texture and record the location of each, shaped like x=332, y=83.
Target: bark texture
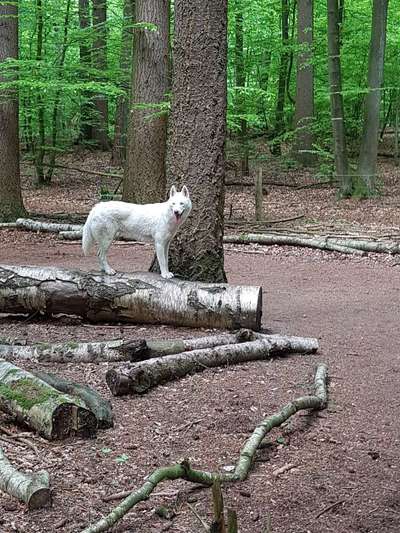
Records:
x=305, y=83
x=144, y=180
x=11, y=205
x=100, y=407
x=369, y=142
x=137, y=298
x=337, y=110
x=31, y=401
x=183, y=470
x=197, y=135
x=33, y=489
x=140, y=377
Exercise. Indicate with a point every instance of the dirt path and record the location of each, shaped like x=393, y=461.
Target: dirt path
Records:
x=348, y=455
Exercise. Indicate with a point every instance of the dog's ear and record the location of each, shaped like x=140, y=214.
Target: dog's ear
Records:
x=185, y=191
x=172, y=191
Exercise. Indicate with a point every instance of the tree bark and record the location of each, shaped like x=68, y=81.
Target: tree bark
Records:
x=342, y=169
x=31, y=401
x=304, y=115
x=197, y=135
x=11, y=205
x=183, y=470
x=140, y=377
x=100, y=407
x=144, y=179
x=118, y=154
x=99, y=58
x=137, y=298
x=369, y=142
x=47, y=227
x=33, y=489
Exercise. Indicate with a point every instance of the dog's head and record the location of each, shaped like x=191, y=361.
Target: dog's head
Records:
x=180, y=203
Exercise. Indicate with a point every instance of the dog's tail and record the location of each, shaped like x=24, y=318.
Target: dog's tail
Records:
x=87, y=237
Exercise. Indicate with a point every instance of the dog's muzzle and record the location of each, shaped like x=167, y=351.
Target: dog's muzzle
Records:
x=178, y=215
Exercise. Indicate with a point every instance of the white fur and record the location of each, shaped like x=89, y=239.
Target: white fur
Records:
x=149, y=222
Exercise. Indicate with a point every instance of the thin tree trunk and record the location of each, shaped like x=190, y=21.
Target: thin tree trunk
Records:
x=56, y=108
x=41, y=138
x=240, y=84
x=369, y=143
x=11, y=205
x=86, y=112
x=118, y=154
x=283, y=70
x=305, y=84
x=144, y=179
x=197, y=135
x=263, y=69
x=396, y=129
x=99, y=57
x=342, y=169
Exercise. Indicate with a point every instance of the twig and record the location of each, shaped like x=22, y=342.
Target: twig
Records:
x=283, y=469
x=188, y=425
x=329, y=508
x=20, y=439
x=199, y=518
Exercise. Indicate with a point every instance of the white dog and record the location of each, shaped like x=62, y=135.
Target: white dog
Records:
x=157, y=222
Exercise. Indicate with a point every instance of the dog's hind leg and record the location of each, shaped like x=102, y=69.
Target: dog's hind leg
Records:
x=104, y=239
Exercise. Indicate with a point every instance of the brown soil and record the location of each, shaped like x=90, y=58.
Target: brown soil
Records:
x=346, y=458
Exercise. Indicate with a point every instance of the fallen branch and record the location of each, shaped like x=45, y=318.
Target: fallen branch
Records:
x=85, y=171
x=19, y=437
x=33, y=489
x=184, y=471
x=321, y=243
x=141, y=297
x=47, y=227
x=33, y=402
x=101, y=408
x=140, y=377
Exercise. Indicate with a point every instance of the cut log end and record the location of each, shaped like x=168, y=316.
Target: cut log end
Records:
x=72, y=420
x=40, y=498
x=119, y=383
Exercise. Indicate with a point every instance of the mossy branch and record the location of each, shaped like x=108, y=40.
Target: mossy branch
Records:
x=184, y=471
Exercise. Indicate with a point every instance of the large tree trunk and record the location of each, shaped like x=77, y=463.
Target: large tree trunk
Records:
x=283, y=71
x=197, y=135
x=140, y=377
x=337, y=112
x=11, y=206
x=118, y=153
x=137, y=298
x=33, y=489
x=99, y=55
x=31, y=401
x=369, y=142
x=305, y=84
x=144, y=180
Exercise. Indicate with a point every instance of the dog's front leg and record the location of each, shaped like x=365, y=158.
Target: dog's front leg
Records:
x=162, y=256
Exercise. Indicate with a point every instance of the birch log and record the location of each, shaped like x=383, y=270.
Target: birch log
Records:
x=114, y=350
x=140, y=377
x=47, y=227
x=33, y=489
x=141, y=297
x=99, y=406
x=41, y=407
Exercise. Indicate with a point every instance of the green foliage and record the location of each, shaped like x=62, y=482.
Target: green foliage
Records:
x=26, y=392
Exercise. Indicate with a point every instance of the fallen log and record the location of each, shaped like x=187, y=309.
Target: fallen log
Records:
x=33, y=489
x=33, y=402
x=321, y=243
x=47, y=227
x=114, y=350
x=138, y=378
x=140, y=297
x=246, y=460
x=99, y=406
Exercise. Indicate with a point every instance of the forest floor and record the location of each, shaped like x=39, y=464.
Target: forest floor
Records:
x=346, y=469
